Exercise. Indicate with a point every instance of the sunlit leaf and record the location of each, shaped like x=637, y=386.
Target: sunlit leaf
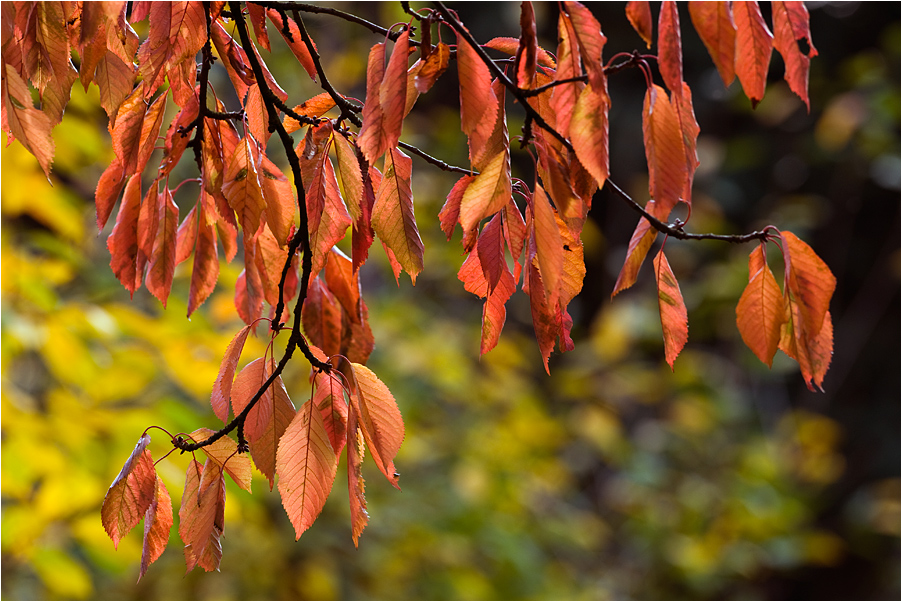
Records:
x=639, y=15
x=224, y=452
x=714, y=23
x=754, y=44
x=791, y=34
x=157, y=524
x=380, y=419
x=674, y=319
x=759, y=314
x=131, y=493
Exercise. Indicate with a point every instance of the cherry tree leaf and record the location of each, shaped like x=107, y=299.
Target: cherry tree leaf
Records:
x=433, y=67
x=349, y=174
x=527, y=49
x=202, y=514
x=157, y=524
x=306, y=465
x=373, y=139
x=131, y=493
x=223, y=452
x=759, y=314
x=393, y=216
x=242, y=189
x=808, y=280
x=123, y=240
x=329, y=399
x=664, y=150
x=162, y=259
x=380, y=419
x=754, y=44
x=670, y=53
x=222, y=387
x=791, y=34
x=674, y=319
x=589, y=131
x=321, y=317
x=488, y=193
x=450, y=212
x=355, y=443
x=478, y=102
x=257, y=16
x=176, y=34
x=591, y=42
x=295, y=42
x=393, y=91
x=314, y=107
x=511, y=45
x=564, y=96
x=30, y=126
x=549, y=247
x=714, y=23
x=643, y=237
x=109, y=185
x=639, y=15
x=205, y=272
x=263, y=450
x=246, y=386
x=234, y=59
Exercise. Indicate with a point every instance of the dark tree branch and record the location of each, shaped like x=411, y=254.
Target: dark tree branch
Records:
x=323, y=10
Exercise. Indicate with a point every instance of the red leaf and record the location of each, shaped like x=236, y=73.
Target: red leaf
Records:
x=257, y=16
x=433, y=67
x=549, y=247
x=222, y=387
x=589, y=131
x=321, y=316
x=246, y=386
x=30, y=126
x=380, y=419
x=544, y=321
x=314, y=107
x=490, y=248
x=234, y=59
x=393, y=217
x=355, y=439
x=205, y=272
x=527, y=49
x=329, y=399
x=306, y=465
x=186, y=236
x=591, y=42
x=509, y=46
x=754, y=44
x=263, y=450
x=176, y=34
x=714, y=23
x=201, y=516
x=257, y=114
x=450, y=212
x=809, y=280
x=759, y=314
x=373, y=138
x=791, y=31
x=643, y=237
x=639, y=15
x=131, y=493
x=242, y=189
x=674, y=319
x=223, y=452
x=488, y=193
x=115, y=79
x=393, y=91
x=516, y=234
x=176, y=144
x=478, y=102
x=350, y=174
x=150, y=131
x=563, y=96
x=664, y=150
x=249, y=288
x=270, y=263
x=295, y=42
x=148, y=222
x=110, y=184
x=123, y=240
x=670, y=53
x=157, y=524
x=162, y=259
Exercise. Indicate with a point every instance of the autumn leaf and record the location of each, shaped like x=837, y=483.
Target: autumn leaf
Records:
x=664, y=150
x=201, y=516
x=674, y=319
x=380, y=419
x=355, y=444
x=247, y=384
x=224, y=452
x=791, y=34
x=131, y=493
x=321, y=317
x=549, y=248
x=393, y=90
x=222, y=387
x=176, y=34
x=591, y=42
x=393, y=217
x=264, y=449
x=510, y=45
x=433, y=67
x=487, y=193
x=162, y=259
x=759, y=314
x=306, y=465
x=528, y=48
x=564, y=96
x=754, y=44
x=670, y=53
x=205, y=271
x=643, y=237
x=450, y=211
x=330, y=401
x=809, y=280
x=242, y=189
x=314, y=108
x=589, y=131
x=349, y=174
x=713, y=21
x=294, y=41
x=639, y=15
x=157, y=524
x=30, y=126
x=123, y=240
x=478, y=103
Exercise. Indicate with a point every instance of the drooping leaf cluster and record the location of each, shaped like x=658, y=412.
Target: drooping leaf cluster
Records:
x=353, y=172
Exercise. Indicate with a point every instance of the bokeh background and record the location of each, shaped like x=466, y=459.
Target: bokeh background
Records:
x=611, y=478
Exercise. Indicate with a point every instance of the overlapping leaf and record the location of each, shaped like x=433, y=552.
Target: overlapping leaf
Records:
x=759, y=314
x=674, y=319
x=792, y=39
x=380, y=419
x=393, y=217
x=157, y=524
x=131, y=493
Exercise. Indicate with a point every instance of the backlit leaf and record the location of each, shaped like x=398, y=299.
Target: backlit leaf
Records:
x=123, y=240
x=664, y=150
x=157, y=524
x=809, y=279
x=433, y=67
x=222, y=387
x=478, y=103
x=393, y=217
x=242, y=189
x=639, y=15
x=295, y=42
x=30, y=126
x=329, y=399
x=510, y=45
x=205, y=271
x=393, y=91
x=131, y=493
x=176, y=34
x=487, y=193
x=643, y=237
x=791, y=32
x=223, y=452
x=527, y=49
x=670, y=53
x=674, y=319
x=263, y=450
x=355, y=440
x=246, y=386
x=321, y=317
x=549, y=248
x=306, y=465
x=754, y=44
x=563, y=96
x=450, y=212
x=380, y=419
x=373, y=138
x=201, y=516
x=759, y=314
x=162, y=259
x=589, y=132
x=591, y=42
x=714, y=23
x=350, y=174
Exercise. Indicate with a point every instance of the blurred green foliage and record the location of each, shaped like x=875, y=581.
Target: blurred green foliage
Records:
x=611, y=478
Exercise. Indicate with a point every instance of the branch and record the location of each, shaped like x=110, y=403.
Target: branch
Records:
x=322, y=10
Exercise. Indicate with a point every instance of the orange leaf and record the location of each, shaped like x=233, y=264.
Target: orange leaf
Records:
x=714, y=23
x=527, y=49
x=450, y=212
x=490, y=248
x=202, y=514
x=359, y=516
x=380, y=419
x=314, y=107
x=150, y=131
x=206, y=262
x=234, y=59
x=186, y=236
x=350, y=174
x=509, y=46
x=242, y=189
x=664, y=151
x=690, y=130
x=488, y=193
x=643, y=237
x=563, y=96
x=754, y=44
x=306, y=465
x=223, y=452
x=791, y=34
x=131, y=493
x=813, y=353
x=591, y=42
x=247, y=385
x=393, y=216
x=176, y=34
x=549, y=247
x=329, y=399
x=809, y=280
x=270, y=262
x=123, y=240
x=257, y=17
x=162, y=259
x=433, y=67
x=478, y=102
x=393, y=91
x=589, y=131
x=249, y=289
x=670, y=53
x=157, y=524
x=109, y=186
x=674, y=319
x=639, y=15
x=321, y=316
x=263, y=450
x=222, y=387
x=295, y=42
x=373, y=139
x=759, y=314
